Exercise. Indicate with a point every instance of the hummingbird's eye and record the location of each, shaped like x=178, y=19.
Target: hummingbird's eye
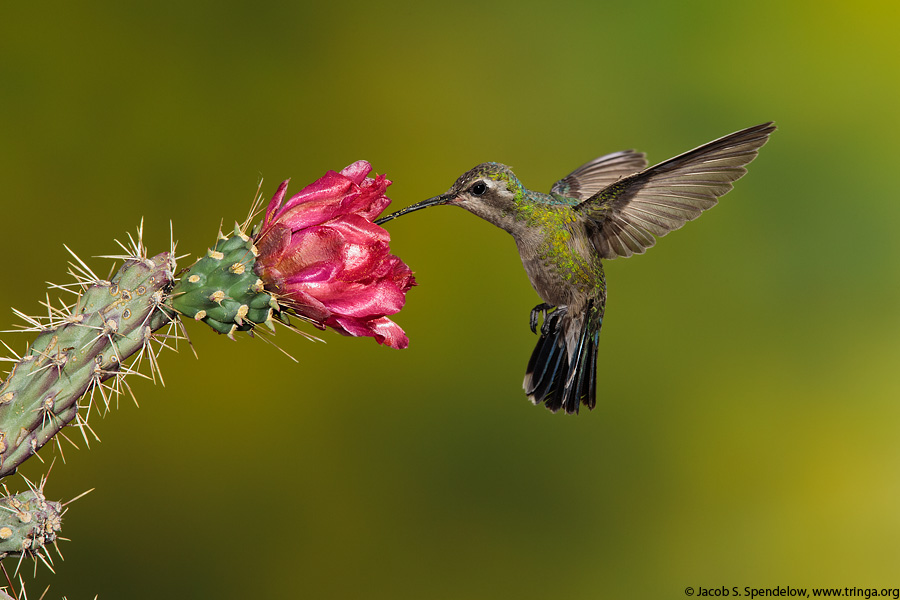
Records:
x=479, y=188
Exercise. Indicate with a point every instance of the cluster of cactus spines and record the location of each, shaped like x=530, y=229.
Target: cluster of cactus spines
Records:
x=222, y=289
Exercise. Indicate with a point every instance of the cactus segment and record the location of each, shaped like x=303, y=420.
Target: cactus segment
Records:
x=81, y=346
x=28, y=522
x=222, y=290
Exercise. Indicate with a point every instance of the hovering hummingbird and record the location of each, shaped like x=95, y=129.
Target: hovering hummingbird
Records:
x=609, y=207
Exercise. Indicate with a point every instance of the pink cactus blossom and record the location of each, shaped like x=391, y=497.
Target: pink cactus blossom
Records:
x=325, y=260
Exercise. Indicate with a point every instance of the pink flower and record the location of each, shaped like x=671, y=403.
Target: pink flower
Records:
x=325, y=260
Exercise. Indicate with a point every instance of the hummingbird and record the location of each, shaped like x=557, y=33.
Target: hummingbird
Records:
x=613, y=206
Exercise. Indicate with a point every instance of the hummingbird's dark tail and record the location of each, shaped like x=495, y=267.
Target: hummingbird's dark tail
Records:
x=562, y=372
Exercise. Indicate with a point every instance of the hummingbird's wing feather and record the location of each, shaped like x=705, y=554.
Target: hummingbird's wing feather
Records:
x=623, y=218
x=593, y=176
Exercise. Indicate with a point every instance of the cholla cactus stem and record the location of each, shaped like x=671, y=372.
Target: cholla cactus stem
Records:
x=82, y=349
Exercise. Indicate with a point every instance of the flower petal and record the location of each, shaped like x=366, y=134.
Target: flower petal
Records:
x=370, y=201
x=317, y=202
x=275, y=203
x=362, y=301
x=382, y=329
x=359, y=230
x=357, y=171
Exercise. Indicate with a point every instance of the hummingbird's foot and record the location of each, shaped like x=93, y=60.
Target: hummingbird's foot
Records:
x=552, y=320
x=540, y=309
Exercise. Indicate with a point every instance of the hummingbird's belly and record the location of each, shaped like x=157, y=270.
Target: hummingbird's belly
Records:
x=560, y=261
x=563, y=280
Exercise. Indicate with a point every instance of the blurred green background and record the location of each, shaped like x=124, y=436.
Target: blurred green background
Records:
x=748, y=425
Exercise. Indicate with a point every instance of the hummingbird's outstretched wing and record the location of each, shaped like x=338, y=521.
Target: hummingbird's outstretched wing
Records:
x=593, y=176
x=623, y=217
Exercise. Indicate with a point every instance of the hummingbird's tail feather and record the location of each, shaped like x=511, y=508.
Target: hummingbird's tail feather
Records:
x=562, y=371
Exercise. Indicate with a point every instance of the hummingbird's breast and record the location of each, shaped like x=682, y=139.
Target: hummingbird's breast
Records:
x=557, y=255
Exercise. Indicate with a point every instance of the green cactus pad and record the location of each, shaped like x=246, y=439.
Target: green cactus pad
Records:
x=222, y=290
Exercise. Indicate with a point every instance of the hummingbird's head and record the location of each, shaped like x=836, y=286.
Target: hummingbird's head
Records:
x=490, y=191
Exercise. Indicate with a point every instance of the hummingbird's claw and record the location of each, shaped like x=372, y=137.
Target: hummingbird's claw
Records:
x=552, y=320
x=540, y=309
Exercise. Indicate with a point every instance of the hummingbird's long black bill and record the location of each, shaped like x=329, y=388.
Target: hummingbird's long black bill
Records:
x=413, y=207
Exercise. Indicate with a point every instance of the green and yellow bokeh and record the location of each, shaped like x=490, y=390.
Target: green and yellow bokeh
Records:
x=748, y=423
